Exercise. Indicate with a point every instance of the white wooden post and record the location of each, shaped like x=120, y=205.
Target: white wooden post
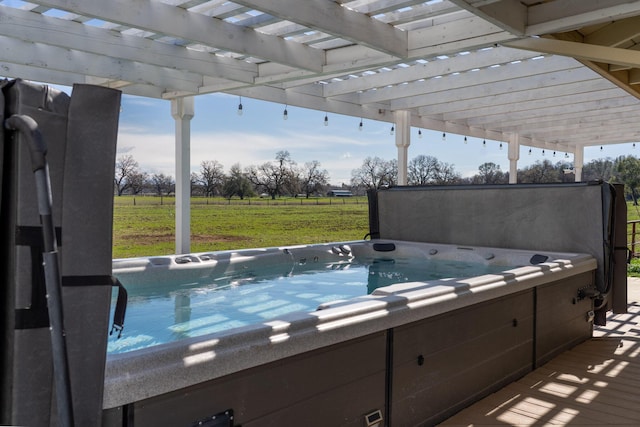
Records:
x=403, y=140
x=182, y=110
x=514, y=155
x=578, y=162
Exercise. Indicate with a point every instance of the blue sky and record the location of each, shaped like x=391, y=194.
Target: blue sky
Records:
x=147, y=132
x=219, y=133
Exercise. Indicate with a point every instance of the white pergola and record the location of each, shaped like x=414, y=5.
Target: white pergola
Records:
x=553, y=74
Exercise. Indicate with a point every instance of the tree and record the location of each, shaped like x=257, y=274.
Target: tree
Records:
x=375, y=173
x=138, y=181
x=446, y=174
x=312, y=178
x=237, y=184
x=598, y=169
x=540, y=172
x=211, y=177
x=422, y=170
x=126, y=167
x=273, y=177
x=162, y=184
x=627, y=172
x=490, y=173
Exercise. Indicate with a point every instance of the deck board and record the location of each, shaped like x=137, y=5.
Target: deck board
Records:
x=595, y=383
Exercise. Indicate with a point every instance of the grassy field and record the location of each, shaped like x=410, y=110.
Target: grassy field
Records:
x=144, y=227
x=633, y=213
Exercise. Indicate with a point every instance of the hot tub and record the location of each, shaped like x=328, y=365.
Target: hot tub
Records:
x=367, y=319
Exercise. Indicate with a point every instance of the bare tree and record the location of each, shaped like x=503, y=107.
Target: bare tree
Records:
x=540, y=172
x=599, y=169
x=490, y=173
x=126, y=167
x=273, y=177
x=163, y=185
x=375, y=173
x=422, y=170
x=237, y=184
x=312, y=178
x=446, y=174
x=138, y=181
x=211, y=177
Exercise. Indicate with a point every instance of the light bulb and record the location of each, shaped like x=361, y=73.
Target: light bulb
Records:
x=501, y=145
x=484, y=143
x=419, y=133
x=285, y=114
x=360, y=125
x=529, y=151
x=465, y=139
x=444, y=136
x=392, y=131
x=326, y=120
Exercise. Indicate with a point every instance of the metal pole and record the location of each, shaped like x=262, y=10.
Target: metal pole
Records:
x=38, y=150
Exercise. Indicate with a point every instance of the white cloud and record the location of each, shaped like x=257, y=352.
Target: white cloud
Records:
x=155, y=153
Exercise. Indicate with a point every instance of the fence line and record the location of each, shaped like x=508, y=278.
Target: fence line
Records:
x=252, y=201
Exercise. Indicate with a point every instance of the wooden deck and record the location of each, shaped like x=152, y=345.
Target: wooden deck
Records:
x=596, y=383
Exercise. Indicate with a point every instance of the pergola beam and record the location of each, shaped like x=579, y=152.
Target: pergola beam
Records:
x=588, y=52
x=510, y=15
x=332, y=18
x=152, y=15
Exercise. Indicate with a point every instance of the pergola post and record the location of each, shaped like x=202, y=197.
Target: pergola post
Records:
x=182, y=110
x=578, y=162
x=514, y=155
x=403, y=140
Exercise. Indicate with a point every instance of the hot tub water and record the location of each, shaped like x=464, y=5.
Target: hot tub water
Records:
x=172, y=311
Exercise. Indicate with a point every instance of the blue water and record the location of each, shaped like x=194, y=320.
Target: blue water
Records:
x=172, y=312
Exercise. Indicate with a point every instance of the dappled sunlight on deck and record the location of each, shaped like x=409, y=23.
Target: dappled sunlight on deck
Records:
x=595, y=383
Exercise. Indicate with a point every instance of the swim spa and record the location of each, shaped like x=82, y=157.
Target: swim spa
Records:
x=171, y=298
x=382, y=293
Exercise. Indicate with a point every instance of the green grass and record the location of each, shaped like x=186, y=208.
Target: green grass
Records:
x=143, y=226
x=146, y=227
x=633, y=213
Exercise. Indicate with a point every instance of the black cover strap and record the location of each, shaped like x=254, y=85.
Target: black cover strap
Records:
x=36, y=315
x=121, y=308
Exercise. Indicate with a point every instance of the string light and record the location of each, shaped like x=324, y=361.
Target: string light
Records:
x=285, y=113
x=240, y=107
x=360, y=125
x=419, y=133
x=444, y=136
x=392, y=131
x=554, y=154
x=484, y=143
x=501, y=145
x=326, y=119
x=601, y=148
x=529, y=151
x=465, y=139
x=543, y=152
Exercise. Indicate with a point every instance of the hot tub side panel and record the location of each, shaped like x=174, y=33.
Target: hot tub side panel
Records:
x=333, y=386
x=443, y=364
x=563, y=318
